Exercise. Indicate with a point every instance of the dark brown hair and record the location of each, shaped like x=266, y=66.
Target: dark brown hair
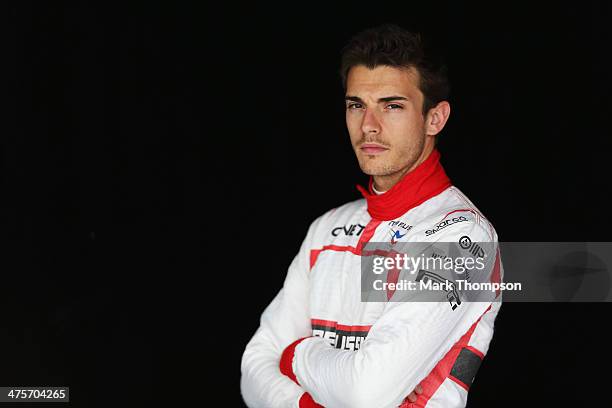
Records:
x=396, y=47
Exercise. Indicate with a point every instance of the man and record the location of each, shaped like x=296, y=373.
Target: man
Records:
x=318, y=343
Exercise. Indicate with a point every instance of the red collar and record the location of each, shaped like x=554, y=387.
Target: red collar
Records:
x=428, y=179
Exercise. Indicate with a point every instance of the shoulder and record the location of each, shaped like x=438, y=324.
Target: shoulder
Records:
x=343, y=215
x=450, y=216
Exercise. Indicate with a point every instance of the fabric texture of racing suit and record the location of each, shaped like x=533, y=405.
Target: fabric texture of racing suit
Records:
x=372, y=354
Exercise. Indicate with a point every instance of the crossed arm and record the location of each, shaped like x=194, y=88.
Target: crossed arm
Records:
x=402, y=347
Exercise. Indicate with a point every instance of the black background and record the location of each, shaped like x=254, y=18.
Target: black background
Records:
x=163, y=162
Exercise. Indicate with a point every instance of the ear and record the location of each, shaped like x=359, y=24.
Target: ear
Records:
x=436, y=118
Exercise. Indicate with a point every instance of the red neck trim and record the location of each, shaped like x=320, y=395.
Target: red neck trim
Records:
x=428, y=179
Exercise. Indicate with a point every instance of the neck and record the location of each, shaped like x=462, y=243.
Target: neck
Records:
x=423, y=182
x=384, y=183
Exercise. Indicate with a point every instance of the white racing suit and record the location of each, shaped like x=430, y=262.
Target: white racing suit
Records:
x=373, y=354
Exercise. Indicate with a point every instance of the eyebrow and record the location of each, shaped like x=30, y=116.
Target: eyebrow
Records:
x=385, y=99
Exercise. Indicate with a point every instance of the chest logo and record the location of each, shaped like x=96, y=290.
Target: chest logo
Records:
x=397, y=235
x=348, y=230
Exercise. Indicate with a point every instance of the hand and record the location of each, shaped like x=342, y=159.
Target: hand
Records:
x=412, y=397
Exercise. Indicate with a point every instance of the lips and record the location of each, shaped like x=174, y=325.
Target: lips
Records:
x=371, y=148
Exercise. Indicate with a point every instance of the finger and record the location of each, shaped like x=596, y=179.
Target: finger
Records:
x=418, y=389
x=412, y=397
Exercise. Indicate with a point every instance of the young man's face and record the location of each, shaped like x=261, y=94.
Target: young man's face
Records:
x=385, y=120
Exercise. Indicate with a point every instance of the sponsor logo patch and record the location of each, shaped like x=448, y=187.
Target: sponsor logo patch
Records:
x=445, y=223
x=340, y=336
x=348, y=230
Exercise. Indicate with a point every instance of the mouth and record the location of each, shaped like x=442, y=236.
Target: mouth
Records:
x=373, y=148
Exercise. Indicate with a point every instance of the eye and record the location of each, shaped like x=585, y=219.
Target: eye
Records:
x=354, y=105
x=394, y=106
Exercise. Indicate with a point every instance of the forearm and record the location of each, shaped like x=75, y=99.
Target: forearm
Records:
x=262, y=384
x=285, y=319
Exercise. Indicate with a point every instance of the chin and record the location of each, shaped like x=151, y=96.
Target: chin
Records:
x=377, y=170
x=372, y=166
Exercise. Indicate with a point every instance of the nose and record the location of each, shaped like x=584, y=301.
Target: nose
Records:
x=370, y=124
